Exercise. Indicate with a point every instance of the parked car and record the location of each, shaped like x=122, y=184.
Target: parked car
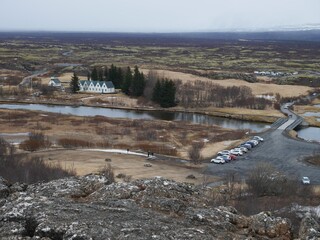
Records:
x=239, y=149
x=305, y=180
x=246, y=145
x=236, y=152
x=226, y=158
x=251, y=144
x=232, y=157
x=217, y=161
x=224, y=152
x=244, y=149
x=260, y=139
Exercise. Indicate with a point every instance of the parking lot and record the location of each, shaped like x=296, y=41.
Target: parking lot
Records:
x=284, y=153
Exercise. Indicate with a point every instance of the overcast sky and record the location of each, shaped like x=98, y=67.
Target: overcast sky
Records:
x=155, y=15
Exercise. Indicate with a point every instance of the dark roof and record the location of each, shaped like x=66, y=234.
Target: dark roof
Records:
x=109, y=84
x=55, y=80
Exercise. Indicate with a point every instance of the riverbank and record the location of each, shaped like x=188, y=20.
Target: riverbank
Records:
x=263, y=116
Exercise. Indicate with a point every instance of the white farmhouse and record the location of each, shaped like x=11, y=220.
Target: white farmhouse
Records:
x=54, y=82
x=96, y=86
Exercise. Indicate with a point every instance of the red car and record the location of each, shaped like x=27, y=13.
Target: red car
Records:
x=232, y=157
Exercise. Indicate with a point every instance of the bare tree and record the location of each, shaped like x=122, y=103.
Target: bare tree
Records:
x=152, y=78
x=264, y=180
x=195, y=152
x=3, y=146
x=108, y=172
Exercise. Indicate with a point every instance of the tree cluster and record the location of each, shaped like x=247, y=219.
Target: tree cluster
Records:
x=164, y=93
x=200, y=94
x=114, y=74
x=131, y=83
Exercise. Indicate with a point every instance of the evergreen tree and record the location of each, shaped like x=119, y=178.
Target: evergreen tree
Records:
x=106, y=74
x=127, y=81
x=113, y=76
x=119, y=76
x=74, y=84
x=112, y=73
x=168, y=94
x=164, y=93
x=156, y=95
x=88, y=76
x=100, y=74
x=138, y=83
x=94, y=74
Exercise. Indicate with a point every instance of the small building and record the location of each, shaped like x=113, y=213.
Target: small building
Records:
x=96, y=86
x=54, y=82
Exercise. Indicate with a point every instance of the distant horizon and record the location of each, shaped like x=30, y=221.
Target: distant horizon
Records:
x=165, y=16
x=280, y=29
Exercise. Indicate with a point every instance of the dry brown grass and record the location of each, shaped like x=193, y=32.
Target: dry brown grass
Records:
x=169, y=138
x=85, y=162
x=257, y=88
x=312, y=121
x=305, y=108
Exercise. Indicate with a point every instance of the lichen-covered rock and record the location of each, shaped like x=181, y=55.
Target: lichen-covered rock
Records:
x=4, y=188
x=91, y=207
x=309, y=228
x=266, y=225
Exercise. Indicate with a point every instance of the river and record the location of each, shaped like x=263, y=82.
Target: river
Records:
x=309, y=133
x=149, y=115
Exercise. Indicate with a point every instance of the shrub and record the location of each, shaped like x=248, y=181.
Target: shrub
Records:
x=35, y=142
x=70, y=142
x=265, y=181
x=108, y=172
x=17, y=168
x=191, y=176
x=194, y=152
x=160, y=149
x=148, y=135
x=125, y=177
x=4, y=145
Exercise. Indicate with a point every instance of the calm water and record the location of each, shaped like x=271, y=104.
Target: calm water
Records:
x=132, y=114
x=312, y=114
x=310, y=133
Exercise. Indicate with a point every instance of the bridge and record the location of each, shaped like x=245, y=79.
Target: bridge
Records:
x=286, y=154
x=293, y=120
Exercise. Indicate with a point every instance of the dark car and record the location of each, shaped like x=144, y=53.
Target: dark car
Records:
x=251, y=143
x=226, y=158
x=246, y=145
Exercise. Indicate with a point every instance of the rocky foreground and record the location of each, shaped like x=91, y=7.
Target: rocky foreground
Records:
x=90, y=207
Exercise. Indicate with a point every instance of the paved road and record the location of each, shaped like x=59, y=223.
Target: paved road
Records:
x=27, y=80
x=283, y=152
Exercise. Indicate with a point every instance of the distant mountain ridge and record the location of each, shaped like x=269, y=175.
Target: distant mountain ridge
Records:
x=304, y=34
